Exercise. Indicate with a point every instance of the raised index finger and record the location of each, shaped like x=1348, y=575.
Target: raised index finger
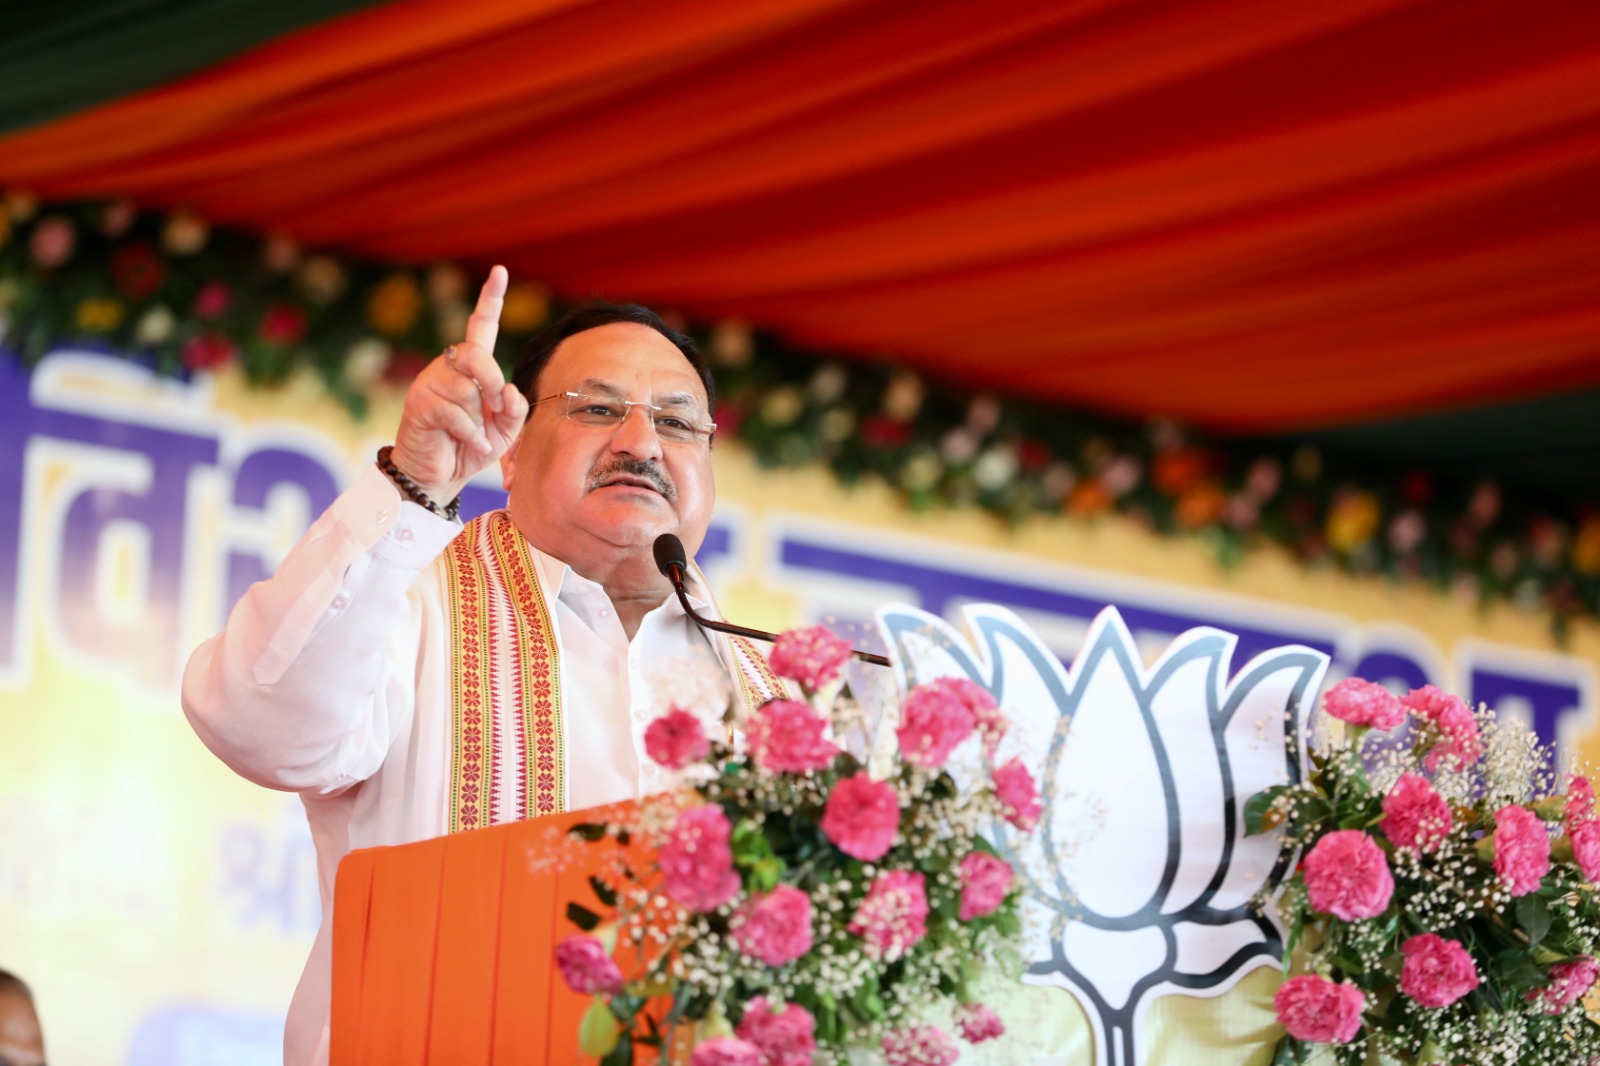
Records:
x=484, y=325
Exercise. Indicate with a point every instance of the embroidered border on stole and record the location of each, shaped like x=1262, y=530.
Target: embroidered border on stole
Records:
x=473, y=739
x=543, y=773
x=504, y=661
x=756, y=679
x=757, y=683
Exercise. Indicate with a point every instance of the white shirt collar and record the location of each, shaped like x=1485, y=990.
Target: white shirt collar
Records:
x=557, y=577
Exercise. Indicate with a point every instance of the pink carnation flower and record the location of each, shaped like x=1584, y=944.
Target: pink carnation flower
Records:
x=726, y=1051
x=978, y=1023
x=1313, y=1008
x=985, y=880
x=676, y=739
x=1580, y=801
x=786, y=1037
x=1348, y=876
x=987, y=717
x=1437, y=972
x=935, y=719
x=786, y=736
x=894, y=916
x=696, y=862
x=862, y=817
x=1585, y=840
x=587, y=967
x=1570, y=981
x=1460, y=741
x=1521, y=849
x=776, y=927
x=812, y=656
x=922, y=1046
x=1018, y=795
x=1364, y=703
x=1414, y=815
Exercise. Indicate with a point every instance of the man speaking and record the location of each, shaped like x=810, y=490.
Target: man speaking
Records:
x=409, y=677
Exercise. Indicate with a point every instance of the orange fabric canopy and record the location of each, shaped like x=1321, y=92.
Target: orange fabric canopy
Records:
x=1251, y=214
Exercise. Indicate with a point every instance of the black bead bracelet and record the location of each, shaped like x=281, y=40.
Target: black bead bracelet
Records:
x=452, y=510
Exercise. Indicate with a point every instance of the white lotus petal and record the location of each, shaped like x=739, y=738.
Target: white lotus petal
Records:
x=1114, y=959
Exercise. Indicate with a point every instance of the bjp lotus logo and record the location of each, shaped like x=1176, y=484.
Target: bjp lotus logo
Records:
x=1140, y=874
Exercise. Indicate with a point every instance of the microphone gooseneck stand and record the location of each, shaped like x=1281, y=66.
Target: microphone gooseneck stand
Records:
x=673, y=562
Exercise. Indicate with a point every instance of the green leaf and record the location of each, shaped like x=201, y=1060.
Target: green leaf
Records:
x=1534, y=918
x=598, y=1033
x=590, y=831
x=766, y=874
x=603, y=892
x=625, y=1007
x=828, y=1026
x=1257, y=808
x=582, y=917
x=621, y=1055
x=1310, y=809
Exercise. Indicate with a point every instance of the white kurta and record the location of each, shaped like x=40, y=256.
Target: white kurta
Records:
x=332, y=679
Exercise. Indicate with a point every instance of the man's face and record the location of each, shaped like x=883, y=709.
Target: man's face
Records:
x=580, y=491
x=21, y=1042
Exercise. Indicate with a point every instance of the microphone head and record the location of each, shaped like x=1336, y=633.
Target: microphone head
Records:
x=669, y=553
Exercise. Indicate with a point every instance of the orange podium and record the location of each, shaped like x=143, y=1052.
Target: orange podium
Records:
x=444, y=950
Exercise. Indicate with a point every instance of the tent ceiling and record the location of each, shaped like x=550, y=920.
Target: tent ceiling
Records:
x=1259, y=216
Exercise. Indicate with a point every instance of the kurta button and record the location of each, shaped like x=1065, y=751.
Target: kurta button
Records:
x=403, y=534
x=340, y=602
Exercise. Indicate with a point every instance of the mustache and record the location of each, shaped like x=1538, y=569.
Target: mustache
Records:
x=642, y=469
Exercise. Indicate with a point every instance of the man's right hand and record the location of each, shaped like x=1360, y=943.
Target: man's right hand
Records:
x=460, y=413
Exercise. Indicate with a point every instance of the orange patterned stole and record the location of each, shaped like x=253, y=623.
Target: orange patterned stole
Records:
x=508, y=757
x=757, y=682
x=508, y=761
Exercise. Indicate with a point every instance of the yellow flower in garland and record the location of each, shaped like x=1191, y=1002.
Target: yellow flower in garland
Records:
x=394, y=303
x=1586, y=547
x=525, y=309
x=100, y=314
x=1202, y=505
x=1352, y=521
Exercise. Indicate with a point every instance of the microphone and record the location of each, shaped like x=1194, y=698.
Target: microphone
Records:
x=674, y=563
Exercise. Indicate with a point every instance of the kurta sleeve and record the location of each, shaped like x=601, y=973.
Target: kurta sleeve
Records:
x=299, y=691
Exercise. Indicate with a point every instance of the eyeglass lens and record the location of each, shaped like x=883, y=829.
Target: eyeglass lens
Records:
x=673, y=422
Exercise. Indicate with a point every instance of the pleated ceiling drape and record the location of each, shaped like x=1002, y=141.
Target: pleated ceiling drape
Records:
x=1256, y=215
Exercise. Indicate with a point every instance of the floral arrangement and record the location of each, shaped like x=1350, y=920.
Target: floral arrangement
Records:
x=1444, y=909
x=169, y=289
x=800, y=905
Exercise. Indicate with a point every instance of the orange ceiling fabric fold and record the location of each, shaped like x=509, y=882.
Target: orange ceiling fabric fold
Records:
x=1253, y=214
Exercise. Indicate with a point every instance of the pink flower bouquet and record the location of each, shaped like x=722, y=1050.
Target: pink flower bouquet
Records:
x=799, y=905
x=1443, y=907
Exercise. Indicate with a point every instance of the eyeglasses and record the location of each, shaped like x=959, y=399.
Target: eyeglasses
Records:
x=674, y=423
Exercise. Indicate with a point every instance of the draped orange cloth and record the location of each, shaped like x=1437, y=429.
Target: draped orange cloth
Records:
x=443, y=950
x=1248, y=213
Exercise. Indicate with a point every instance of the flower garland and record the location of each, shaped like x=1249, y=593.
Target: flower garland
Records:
x=168, y=289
